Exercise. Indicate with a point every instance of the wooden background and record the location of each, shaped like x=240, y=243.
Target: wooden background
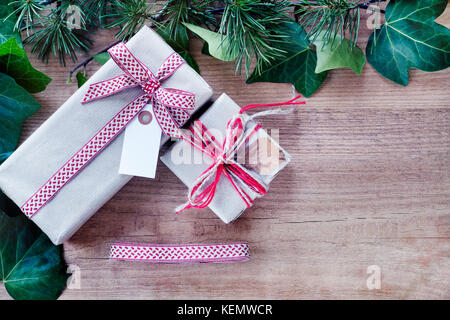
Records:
x=368, y=185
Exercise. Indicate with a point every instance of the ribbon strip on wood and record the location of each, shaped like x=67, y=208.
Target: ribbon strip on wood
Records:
x=187, y=253
x=169, y=106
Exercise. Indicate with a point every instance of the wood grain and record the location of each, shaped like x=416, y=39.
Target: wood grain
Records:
x=368, y=185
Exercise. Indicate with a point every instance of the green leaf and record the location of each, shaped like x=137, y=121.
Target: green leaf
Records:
x=81, y=79
x=102, y=58
x=4, y=156
x=410, y=39
x=205, y=49
x=31, y=266
x=16, y=104
x=180, y=43
x=8, y=206
x=7, y=26
x=14, y=62
x=339, y=53
x=296, y=66
x=218, y=44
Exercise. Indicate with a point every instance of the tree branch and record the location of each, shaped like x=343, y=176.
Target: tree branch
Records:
x=85, y=62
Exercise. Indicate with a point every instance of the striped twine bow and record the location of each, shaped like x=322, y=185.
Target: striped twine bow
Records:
x=169, y=105
x=237, y=135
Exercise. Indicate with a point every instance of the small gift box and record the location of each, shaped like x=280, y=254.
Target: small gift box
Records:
x=69, y=167
x=225, y=175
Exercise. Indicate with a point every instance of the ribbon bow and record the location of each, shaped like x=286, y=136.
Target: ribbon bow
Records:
x=237, y=135
x=169, y=105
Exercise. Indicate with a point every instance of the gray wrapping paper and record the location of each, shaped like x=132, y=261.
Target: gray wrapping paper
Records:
x=226, y=204
x=70, y=127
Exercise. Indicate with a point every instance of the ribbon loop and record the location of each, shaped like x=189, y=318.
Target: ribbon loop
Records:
x=164, y=101
x=129, y=63
x=173, y=62
x=174, y=98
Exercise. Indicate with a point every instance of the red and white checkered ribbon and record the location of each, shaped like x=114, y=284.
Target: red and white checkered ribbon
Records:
x=188, y=253
x=169, y=107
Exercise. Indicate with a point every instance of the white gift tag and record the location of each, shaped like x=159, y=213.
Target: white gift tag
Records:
x=141, y=145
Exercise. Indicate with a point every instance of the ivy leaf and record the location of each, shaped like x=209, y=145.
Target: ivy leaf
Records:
x=205, y=49
x=5, y=155
x=8, y=206
x=180, y=43
x=14, y=62
x=16, y=104
x=102, y=58
x=410, y=39
x=31, y=266
x=218, y=45
x=339, y=53
x=296, y=66
x=81, y=79
x=7, y=25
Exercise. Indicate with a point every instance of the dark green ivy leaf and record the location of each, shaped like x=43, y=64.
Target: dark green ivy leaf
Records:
x=410, y=39
x=32, y=267
x=101, y=58
x=14, y=62
x=16, y=104
x=7, y=26
x=8, y=206
x=81, y=79
x=296, y=66
x=180, y=43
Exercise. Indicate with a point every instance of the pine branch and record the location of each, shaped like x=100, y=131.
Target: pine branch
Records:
x=129, y=15
x=96, y=11
x=176, y=12
x=27, y=13
x=56, y=36
x=88, y=60
x=251, y=27
x=329, y=18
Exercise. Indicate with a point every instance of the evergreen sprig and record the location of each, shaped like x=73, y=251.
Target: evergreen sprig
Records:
x=57, y=37
x=28, y=13
x=177, y=12
x=251, y=29
x=129, y=16
x=96, y=11
x=250, y=26
x=329, y=18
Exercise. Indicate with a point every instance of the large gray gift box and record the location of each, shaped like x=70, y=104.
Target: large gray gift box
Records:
x=70, y=127
x=188, y=163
